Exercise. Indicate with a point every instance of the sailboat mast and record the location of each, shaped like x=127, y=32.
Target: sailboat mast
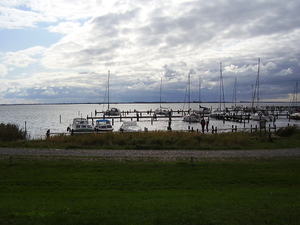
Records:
x=220, y=86
x=199, y=89
x=296, y=94
x=160, y=92
x=234, y=93
x=256, y=89
x=258, y=81
x=189, y=90
x=108, y=88
x=222, y=97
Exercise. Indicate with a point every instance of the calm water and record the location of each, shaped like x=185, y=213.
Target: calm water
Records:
x=37, y=119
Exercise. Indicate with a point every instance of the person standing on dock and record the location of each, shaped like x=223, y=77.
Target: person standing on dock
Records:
x=202, y=122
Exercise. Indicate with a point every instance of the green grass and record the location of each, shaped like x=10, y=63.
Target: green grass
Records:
x=80, y=191
x=284, y=138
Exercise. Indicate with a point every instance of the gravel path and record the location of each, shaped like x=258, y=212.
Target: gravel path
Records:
x=163, y=154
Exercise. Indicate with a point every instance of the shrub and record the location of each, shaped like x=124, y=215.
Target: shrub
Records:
x=11, y=132
x=287, y=131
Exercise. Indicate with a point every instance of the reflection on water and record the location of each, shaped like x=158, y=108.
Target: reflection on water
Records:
x=37, y=119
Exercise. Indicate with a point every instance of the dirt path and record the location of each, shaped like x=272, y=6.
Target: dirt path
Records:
x=162, y=154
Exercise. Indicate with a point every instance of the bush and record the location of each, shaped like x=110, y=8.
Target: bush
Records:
x=11, y=132
x=287, y=131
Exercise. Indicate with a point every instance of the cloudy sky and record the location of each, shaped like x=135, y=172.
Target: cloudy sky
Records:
x=60, y=51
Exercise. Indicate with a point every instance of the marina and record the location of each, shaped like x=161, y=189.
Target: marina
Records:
x=38, y=119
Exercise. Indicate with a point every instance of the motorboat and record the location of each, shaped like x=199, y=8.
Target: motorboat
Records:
x=80, y=125
x=130, y=126
x=103, y=126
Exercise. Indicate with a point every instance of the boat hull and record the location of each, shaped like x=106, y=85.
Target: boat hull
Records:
x=295, y=116
x=192, y=118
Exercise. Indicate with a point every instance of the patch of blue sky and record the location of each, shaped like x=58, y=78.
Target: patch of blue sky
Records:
x=23, y=7
x=16, y=40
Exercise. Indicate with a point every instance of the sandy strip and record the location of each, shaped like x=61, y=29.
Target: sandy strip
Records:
x=152, y=153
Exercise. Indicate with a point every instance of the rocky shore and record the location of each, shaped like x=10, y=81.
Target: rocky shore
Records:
x=165, y=155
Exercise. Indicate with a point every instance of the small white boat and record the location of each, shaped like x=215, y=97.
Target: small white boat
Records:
x=103, y=126
x=130, y=126
x=218, y=113
x=80, y=125
x=163, y=111
x=203, y=110
x=295, y=116
x=193, y=117
x=261, y=115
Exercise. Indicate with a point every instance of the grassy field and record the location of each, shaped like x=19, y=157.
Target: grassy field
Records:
x=80, y=191
x=85, y=190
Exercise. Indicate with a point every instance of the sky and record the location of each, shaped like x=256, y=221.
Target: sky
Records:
x=60, y=51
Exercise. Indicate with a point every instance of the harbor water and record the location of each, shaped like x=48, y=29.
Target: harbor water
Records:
x=37, y=119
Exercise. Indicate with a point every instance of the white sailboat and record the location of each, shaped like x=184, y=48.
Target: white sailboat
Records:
x=259, y=114
x=191, y=116
x=111, y=111
x=202, y=110
x=219, y=111
x=162, y=110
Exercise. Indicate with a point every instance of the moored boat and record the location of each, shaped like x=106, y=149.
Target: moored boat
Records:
x=163, y=111
x=203, y=110
x=80, y=125
x=261, y=115
x=103, y=126
x=130, y=126
x=295, y=116
x=192, y=117
x=112, y=112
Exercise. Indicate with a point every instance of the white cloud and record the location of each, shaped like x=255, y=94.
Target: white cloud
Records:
x=24, y=57
x=64, y=27
x=13, y=90
x=285, y=72
x=270, y=66
x=12, y=18
x=3, y=70
x=49, y=92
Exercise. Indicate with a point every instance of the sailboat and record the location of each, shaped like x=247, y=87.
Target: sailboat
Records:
x=219, y=111
x=259, y=114
x=191, y=116
x=202, y=110
x=162, y=110
x=295, y=110
x=110, y=111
